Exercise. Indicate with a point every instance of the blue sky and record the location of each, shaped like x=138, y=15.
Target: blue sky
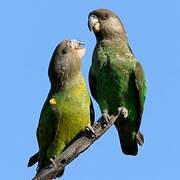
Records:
x=29, y=33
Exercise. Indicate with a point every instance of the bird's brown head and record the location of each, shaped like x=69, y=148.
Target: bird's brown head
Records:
x=65, y=63
x=106, y=24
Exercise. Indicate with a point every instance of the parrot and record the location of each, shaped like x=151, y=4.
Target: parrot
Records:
x=116, y=78
x=68, y=109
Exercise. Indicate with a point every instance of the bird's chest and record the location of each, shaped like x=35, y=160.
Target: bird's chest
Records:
x=74, y=104
x=113, y=72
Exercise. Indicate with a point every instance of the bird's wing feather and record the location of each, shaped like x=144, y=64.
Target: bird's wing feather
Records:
x=141, y=85
x=48, y=126
x=92, y=82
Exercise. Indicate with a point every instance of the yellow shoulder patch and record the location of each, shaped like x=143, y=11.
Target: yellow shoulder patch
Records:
x=52, y=101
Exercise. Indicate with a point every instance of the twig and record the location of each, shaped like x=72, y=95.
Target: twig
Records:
x=76, y=148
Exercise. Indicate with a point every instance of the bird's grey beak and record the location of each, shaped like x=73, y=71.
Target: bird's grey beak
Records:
x=76, y=44
x=81, y=44
x=80, y=49
x=93, y=23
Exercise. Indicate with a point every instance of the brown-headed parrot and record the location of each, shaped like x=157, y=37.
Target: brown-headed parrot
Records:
x=116, y=78
x=68, y=109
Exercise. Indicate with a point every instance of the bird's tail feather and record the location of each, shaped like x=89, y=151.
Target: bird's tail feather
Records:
x=127, y=136
x=33, y=160
x=130, y=149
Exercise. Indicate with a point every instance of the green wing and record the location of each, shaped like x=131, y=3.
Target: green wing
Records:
x=92, y=82
x=46, y=132
x=47, y=129
x=141, y=87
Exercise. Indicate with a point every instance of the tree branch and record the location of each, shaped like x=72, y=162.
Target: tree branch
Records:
x=77, y=147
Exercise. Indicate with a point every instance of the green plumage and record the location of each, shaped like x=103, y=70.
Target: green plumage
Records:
x=61, y=122
x=68, y=108
x=116, y=78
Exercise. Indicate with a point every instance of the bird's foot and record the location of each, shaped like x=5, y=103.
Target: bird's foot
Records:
x=106, y=119
x=89, y=132
x=123, y=111
x=51, y=162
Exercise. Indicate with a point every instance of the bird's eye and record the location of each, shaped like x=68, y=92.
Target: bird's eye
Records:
x=105, y=16
x=64, y=51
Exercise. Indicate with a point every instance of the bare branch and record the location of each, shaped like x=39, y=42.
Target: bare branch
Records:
x=76, y=148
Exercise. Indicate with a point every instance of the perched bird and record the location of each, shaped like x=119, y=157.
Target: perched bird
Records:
x=116, y=78
x=68, y=109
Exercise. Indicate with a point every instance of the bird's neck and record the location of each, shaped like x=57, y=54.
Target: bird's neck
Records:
x=115, y=36
x=114, y=44
x=64, y=83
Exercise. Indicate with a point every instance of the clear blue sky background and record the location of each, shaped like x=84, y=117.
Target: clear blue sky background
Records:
x=29, y=32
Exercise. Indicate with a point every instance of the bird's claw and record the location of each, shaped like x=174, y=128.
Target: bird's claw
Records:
x=123, y=111
x=52, y=163
x=106, y=119
x=89, y=132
